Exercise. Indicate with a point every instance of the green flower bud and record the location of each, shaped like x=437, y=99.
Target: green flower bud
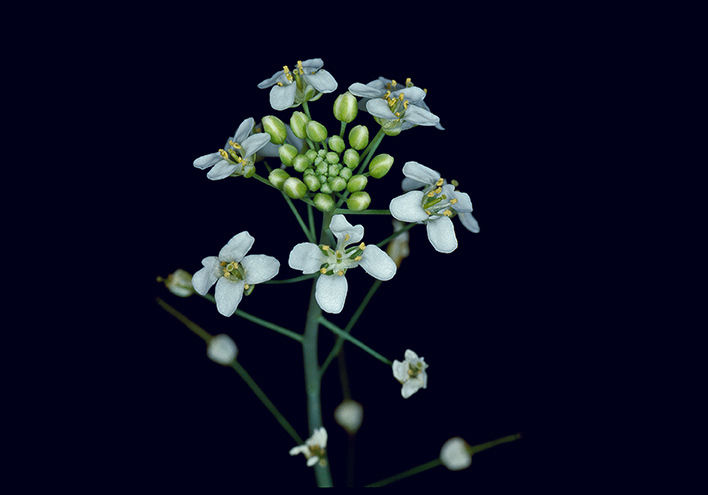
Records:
x=322, y=178
x=298, y=123
x=359, y=137
x=311, y=154
x=332, y=171
x=359, y=201
x=322, y=153
x=332, y=157
x=248, y=171
x=300, y=163
x=338, y=184
x=322, y=168
x=345, y=107
x=311, y=181
x=277, y=177
x=351, y=158
x=346, y=173
x=357, y=183
x=287, y=152
x=336, y=144
x=326, y=187
x=294, y=187
x=380, y=165
x=275, y=128
x=324, y=202
x=316, y=131
x=309, y=171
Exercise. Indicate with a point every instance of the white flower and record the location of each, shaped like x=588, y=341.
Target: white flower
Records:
x=454, y=454
x=434, y=206
x=222, y=349
x=331, y=288
x=410, y=373
x=349, y=415
x=179, y=283
x=233, y=273
x=314, y=448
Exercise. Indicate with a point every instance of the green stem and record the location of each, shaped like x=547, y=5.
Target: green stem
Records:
x=396, y=234
x=291, y=280
x=313, y=381
x=346, y=211
x=306, y=108
x=203, y=334
x=300, y=221
x=334, y=328
x=262, y=322
x=311, y=219
x=263, y=180
x=429, y=465
x=342, y=128
x=355, y=317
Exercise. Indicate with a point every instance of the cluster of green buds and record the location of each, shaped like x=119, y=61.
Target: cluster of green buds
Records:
x=329, y=166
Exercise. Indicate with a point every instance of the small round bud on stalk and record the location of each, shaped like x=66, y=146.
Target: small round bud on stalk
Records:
x=357, y=183
x=322, y=168
x=312, y=182
x=345, y=173
x=336, y=144
x=359, y=201
x=298, y=123
x=380, y=165
x=351, y=158
x=316, y=131
x=311, y=155
x=179, y=283
x=338, y=184
x=345, y=107
x=325, y=188
x=287, y=153
x=332, y=157
x=294, y=187
x=333, y=170
x=359, y=137
x=349, y=415
x=275, y=129
x=277, y=177
x=323, y=202
x=301, y=163
x=221, y=349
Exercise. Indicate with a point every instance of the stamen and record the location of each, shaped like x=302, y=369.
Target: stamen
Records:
x=428, y=212
x=347, y=237
x=362, y=246
x=447, y=213
x=340, y=273
x=280, y=84
x=358, y=258
x=234, y=144
x=223, y=263
x=299, y=67
x=323, y=271
x=223, y=154
x=393, y=83
x=438, y=190
x=388, y=93
x=398, y=114
x=408, y=82
x=401, y=96
x=339, y=254
x=405, y=105
x=246, y=286
x=453, y=201
x=440, y=182
x=324, y=247
x=430, y=194
x=454, y=183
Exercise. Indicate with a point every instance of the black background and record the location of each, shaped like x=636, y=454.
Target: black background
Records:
x=506, y=322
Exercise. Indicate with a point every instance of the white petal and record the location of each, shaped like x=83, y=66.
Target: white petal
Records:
x=306, y=257
x=222, y=169
x=441, y=234
x=420, y=173
x=244, y=129
x=207, y=161
x=410, y=356
x=464, y=203
x=340, y=227
x=222, y=349
x=409, y=388
x=331, y=292
x=312, y=461
x=237, y=247
x=408, y=207
x=454, y=454
x=227, y=295
x=400, y=371
x=300, y=449
x=419, y=116
x=469, y=222
x=259, y=268
x=377, y=263
x=282, y=97
x=408, y=184
x=378, y=107
x=207, y=276
x=254, y=143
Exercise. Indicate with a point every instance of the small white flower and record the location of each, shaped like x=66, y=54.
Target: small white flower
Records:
x=454, y=454
x=349, y=415
x=434, y=206
x=222, y=349
x=410, y=373
x=179, y=283
x=234, y=273
x=314, y=448
x=331, y=289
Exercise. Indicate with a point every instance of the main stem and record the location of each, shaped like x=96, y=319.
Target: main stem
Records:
x=312, y=368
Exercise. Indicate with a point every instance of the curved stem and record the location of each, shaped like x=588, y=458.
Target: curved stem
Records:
x=346, y=211
x=396, y=234
x=291, y=280
x=300, y=221
x=334, y=328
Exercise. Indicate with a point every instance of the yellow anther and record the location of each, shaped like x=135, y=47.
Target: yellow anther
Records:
x=299, y=67
x=393, y=83
x=388, y=93
x=347, y=237
x=223, y=154
x=401, y=96
x=425, y=90
x=358, y=258
x=325, y=247
x=323, y=271
x=430, y=194
x=362, y=246
x=453, y=201
x=398, y=114
x=408, y=82
x=340, y=273
x=226, y=274
x=440, y=182
x=223, y=263
x=246, y=286
x=234, y=144
x=438, y=190
x=405, y=104
x=447, y=213
x=428, y=212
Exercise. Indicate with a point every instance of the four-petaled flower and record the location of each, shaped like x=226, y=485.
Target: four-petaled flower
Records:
x=238, y=155
x=306, y=83
x=331, y=288
x=410, y=373
x=314, y=448
x=434, y=206
x=234, y=273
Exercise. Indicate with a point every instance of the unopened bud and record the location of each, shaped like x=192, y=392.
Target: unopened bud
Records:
x=294, y=187
x=345, y=173
x=277, y=177
x=323, y=202
x=336, y=144
x=311, y=181
x=316, y=131
x=349, y=415
x=345, y=107
x=325, y=188
x=179, y=283
x=333, y=170
x=332, y=157
x=357, y=183
x=249, y=170
x=222, y=349
x=275, y=129
x=287, y=152
x=380, y=165
x=311, y=155
x=359, y=137
x=298, y=123
x=301, y=162
x=338, y=184
x=358, y=201
x=351, y=158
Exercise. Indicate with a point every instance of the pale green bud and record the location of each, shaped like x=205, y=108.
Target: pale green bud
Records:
x=277, y=177
x=298, y=123
x=351, y=158
x=332, y=157
x=359, y=137
x=287, y=153
x=309, y=171
x=380, y=165
x=326, y=187
x=338, y=184
x=311, y=181
x=300, y=163
x=322, y=178
x=311, y=154
x=316, y=131
x=322, y=153
x=336, y=144
x=345, y=107
x=294, y=187
x=357, y=183
x=179, y=283
x=248, y=171
x=332, y=170
x=346, y=173
x=323, y=202
x=359, y=201
x=275, y=128
x=322, y=168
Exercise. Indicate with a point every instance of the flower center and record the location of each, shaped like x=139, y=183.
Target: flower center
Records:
x=435, y=203
x=232, y=271
x=338, y=261
x=398, y=105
